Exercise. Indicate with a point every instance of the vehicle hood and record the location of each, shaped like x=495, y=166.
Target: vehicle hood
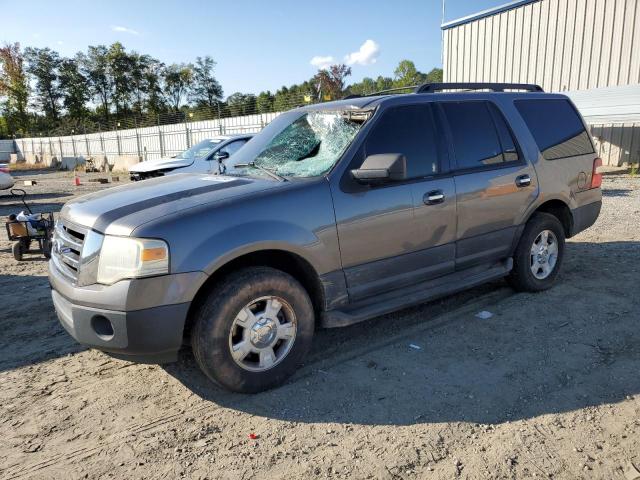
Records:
x=120, y=210
x=160, y=164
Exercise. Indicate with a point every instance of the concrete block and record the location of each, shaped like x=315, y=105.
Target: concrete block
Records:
x=49, y=160
x=69, y=163
x=16, y=158
x=31, y=158
x=122, y=163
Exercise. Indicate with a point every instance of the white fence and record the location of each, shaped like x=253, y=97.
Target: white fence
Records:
x=145, y=143
x=617, y=143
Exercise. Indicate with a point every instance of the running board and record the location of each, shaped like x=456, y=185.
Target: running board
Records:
x=408, y=297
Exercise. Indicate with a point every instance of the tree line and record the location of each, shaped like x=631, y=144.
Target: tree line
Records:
x=108, y=87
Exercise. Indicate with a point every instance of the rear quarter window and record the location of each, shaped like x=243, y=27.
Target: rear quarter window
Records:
x=556, y=128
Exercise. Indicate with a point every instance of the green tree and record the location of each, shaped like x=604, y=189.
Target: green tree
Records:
x=95, y=67
x=43, y=64
x=74, y=89
x=406, y=74
x=177, y=81
x=155, y=102
x=434, y=76
x=120, y=68
x=330, y=82
x=14, y=88
x=241, y=104
x=264, y=102
x=205, y=89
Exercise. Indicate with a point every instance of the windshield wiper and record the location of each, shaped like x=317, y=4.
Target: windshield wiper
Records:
x=266, y=170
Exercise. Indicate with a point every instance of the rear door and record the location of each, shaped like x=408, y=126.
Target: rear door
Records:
x=494, y=184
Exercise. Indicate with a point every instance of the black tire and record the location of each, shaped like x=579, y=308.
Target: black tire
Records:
x=214, y=319
x=46, y=248
x=17, y=251
x=521, y=277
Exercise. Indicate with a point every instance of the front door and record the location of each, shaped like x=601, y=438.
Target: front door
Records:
x=395, y=235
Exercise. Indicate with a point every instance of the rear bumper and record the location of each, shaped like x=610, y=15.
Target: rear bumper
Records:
x=152, y=335
x=585, y=216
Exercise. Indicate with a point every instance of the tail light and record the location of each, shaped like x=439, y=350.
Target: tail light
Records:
x=4, y=170
x=596, y=175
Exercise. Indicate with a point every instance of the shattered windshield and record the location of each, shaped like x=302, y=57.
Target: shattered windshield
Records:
x=200, y=150
x=300, y=144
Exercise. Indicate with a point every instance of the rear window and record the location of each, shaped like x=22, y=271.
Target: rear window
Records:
x=556, y=128
x=481, y=139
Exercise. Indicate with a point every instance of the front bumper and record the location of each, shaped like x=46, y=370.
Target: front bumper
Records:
x=139, y=320
x=152, y=335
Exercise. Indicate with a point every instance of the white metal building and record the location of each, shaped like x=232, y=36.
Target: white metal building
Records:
x=589, y=49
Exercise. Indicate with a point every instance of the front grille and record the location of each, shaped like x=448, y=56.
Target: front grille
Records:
x=67, y=248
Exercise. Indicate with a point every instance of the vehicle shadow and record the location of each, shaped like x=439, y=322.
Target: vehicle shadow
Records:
x=7, y=209
x=570, y=347
x=616, y=192
x=30, y=329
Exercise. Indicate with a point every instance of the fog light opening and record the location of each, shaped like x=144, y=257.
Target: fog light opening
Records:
x=102, y=326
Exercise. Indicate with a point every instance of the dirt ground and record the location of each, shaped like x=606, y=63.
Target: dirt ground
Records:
x=548, y=386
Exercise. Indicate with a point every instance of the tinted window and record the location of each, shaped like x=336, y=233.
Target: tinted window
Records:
x=408, y=130
x=475, y=139
x=556, y=128
x=509, y=150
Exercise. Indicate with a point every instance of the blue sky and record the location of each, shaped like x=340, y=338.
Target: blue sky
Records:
x=258, y=45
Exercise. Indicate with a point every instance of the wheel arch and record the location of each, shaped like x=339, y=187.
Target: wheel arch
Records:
x=289, y=262
x=556, y=207
x=559, y=209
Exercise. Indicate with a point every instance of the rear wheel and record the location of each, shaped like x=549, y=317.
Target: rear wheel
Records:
x=538, y=255
x=253, y=329
x=17, y=250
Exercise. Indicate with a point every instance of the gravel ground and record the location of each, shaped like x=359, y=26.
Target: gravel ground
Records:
x=548, y=386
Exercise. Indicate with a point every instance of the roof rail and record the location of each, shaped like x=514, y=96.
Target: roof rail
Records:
x=411, y=89
x=494, y=87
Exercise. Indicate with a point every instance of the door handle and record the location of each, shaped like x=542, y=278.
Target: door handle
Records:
x=523, y=181
x=433, y=197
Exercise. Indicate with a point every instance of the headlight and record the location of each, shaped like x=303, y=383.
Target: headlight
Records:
x=125, y=257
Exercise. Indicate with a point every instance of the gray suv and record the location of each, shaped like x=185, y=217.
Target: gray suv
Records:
x=335, y=213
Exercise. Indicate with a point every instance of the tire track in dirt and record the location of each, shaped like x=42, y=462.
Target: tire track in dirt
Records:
x=461, y=314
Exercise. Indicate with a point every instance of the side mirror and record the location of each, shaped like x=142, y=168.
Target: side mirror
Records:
x=221, y=156
x=380, y=168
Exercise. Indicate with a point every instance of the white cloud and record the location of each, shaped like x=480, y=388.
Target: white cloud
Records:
x=366, y=55
x=59, y=42
x=322, y=63
x=118, y=28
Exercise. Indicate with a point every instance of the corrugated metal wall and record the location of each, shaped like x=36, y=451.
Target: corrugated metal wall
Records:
x=558, y=44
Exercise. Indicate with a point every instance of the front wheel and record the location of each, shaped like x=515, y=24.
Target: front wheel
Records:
x=539, y=254
x=253, y=329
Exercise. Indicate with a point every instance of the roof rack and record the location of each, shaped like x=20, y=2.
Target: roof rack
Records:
x=438, y=87
x=411, y=88
x=494, y=87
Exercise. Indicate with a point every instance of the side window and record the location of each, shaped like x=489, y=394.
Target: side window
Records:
x=480, y=135
x=409, y=130
x=556, y=128
x=509, y=150
x=233, y=147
